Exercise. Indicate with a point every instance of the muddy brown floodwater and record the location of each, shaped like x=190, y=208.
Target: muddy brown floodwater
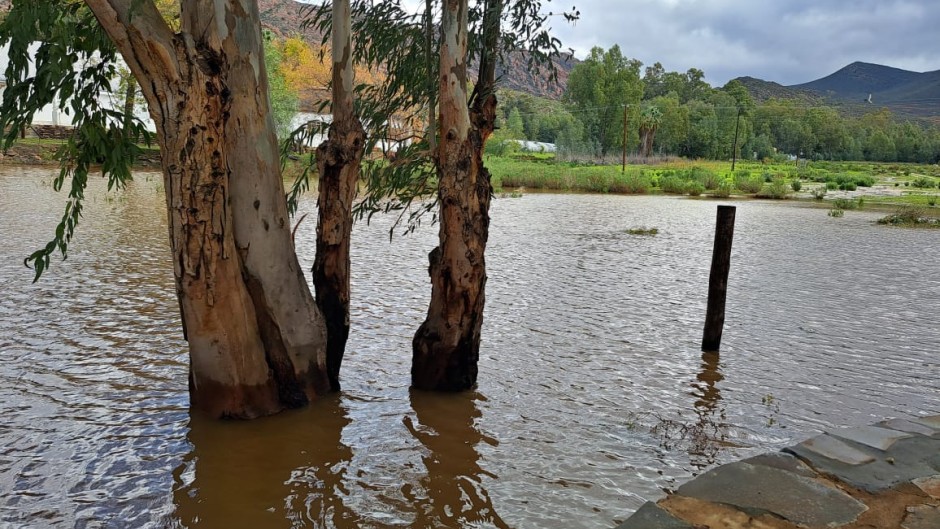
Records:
x=593, y=395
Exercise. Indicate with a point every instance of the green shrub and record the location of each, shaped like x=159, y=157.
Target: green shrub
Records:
x=847, y=203
x=796, y=185
x=848, y=186
x=724, y=189
x=695, y=189
x=776, y=189
x=635, y=182
x=819, y=192
x=708, y=178
x=747, y=184
x=672, y=184
x=832, y=186
x=865, y=181
x=598, y=182
x=922, y=182
x=836, y=213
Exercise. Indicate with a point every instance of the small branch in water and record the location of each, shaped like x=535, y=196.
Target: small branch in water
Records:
x=293, y=234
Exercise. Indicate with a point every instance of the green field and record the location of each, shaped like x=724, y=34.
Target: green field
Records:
x=879, y=183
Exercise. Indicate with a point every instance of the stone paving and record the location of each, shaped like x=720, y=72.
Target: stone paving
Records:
x=884, y=476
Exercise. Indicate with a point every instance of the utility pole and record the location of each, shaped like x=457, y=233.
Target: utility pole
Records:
x=624, y=168
x=734, y=148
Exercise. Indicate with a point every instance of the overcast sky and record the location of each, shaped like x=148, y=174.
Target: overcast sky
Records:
x=787, y=41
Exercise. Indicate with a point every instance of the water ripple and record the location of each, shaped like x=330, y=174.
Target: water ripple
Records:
x=593, y=396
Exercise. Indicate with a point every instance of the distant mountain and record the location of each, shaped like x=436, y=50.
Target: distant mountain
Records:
x=907, y=94
x=859, y=79
x=515, y=75
x=763, y=90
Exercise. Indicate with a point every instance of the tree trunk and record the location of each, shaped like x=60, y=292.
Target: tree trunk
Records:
x=647, y=134
x=130, y=100
x=256, y=338
x=338, y=160
x=446, y=347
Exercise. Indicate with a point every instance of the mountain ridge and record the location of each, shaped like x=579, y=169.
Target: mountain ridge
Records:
x=860, y=87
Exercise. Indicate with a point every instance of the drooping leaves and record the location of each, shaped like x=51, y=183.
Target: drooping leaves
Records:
x=59, y=55
x=394, y=40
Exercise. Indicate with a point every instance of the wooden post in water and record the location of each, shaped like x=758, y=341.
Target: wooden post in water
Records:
x=718, y=279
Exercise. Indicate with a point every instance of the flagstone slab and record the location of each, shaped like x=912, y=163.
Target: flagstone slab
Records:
x=930, y=485
x=880, y=438
x=783, y=462
x=931, y=421
x=906, y=460
x=904, y=425
x=652, y=516
x=758, y=488
x=921, y=517
x=829, y=447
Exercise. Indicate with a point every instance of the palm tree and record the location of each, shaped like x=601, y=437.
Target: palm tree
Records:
x=650, y=118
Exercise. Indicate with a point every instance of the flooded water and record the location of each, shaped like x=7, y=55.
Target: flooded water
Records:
x=593, y=395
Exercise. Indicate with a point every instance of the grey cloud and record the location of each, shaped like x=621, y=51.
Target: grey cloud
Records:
x=785, y=41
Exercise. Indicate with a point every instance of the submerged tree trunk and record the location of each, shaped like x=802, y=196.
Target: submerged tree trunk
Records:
x=446, y=347
x=338, y=160
x=256, y=338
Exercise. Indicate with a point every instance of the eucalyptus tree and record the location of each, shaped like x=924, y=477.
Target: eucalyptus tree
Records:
x=257, y=339
x=338, y=162
x=449, y=152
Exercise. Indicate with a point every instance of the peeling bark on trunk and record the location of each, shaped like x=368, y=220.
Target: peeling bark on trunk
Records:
x=338, y=160
x=256, y=338
x=446, y=348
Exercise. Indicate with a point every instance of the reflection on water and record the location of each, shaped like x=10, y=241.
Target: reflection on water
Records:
x=284, y=471
x=447, y=428
x=711, y=417
x=591, y=340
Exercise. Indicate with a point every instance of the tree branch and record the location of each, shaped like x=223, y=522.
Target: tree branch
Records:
x=141, y=35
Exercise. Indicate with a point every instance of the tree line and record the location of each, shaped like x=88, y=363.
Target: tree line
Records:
x=680, y=114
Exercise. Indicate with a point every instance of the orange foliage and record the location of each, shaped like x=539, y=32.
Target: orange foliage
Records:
x=308, y=67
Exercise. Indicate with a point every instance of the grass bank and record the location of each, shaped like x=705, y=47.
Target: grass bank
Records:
x=887, y=184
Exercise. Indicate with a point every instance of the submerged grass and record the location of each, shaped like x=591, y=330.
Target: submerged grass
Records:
x=910, y=217
x=643, y=231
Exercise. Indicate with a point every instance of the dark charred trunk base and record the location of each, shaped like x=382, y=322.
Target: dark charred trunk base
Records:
x=338, y=160
x=438, y=366
x=232, y=402
x=336, y=316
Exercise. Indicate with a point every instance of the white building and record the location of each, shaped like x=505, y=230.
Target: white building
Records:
x=53, y=115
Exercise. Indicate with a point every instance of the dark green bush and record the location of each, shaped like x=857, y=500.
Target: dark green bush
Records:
x=672, y=184
x=747, y=184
